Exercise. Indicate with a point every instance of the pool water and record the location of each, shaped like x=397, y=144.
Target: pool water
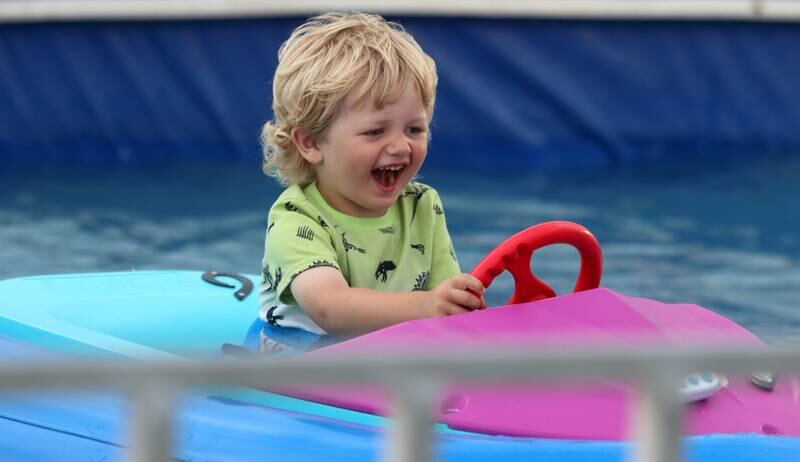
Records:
x=726, y=237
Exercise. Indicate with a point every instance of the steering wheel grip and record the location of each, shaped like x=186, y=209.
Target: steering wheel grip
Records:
x=515, y=253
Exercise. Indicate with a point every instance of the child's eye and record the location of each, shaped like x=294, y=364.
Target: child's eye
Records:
x=374, y=132
x=416, y=130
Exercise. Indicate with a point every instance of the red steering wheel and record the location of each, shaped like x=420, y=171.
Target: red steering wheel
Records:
x=515, y=253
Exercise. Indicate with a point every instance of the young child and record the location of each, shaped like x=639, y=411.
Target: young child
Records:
x=353, y=244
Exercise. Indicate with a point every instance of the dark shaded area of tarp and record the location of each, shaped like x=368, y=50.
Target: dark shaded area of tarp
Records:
x=521, y=93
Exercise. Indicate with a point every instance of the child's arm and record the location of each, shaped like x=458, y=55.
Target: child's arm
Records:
x=346, y=311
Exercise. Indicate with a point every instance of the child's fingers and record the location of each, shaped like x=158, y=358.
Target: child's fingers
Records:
x=454, y=308
x=474, y=287
x=466, y=298
x=473, y=284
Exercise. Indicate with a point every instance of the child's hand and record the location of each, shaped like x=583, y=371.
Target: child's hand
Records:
x=458, y=294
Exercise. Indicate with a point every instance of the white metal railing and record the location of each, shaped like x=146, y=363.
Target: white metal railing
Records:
x=56, y=10
x=413, y=380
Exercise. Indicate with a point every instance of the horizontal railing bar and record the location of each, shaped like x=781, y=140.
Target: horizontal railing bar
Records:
x=67, y=10
x=441, y=366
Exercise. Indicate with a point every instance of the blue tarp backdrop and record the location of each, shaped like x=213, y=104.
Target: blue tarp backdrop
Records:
x=520, y=93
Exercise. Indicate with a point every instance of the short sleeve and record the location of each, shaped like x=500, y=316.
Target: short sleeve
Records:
x=295, y=242
x=444, y=263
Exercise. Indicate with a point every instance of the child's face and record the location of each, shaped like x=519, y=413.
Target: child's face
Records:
x=368, y=155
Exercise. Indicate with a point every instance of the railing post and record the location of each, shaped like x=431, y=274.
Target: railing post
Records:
x=659, y=420
x=151, y=431
x=411, y=432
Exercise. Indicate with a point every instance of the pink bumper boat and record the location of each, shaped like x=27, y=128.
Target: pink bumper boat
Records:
x=534, y=317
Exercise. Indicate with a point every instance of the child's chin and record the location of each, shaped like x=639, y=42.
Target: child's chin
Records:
x=380, y=206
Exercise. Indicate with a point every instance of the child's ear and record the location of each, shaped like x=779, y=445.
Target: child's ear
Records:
x=307, y=145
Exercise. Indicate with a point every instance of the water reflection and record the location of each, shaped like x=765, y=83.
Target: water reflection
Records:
x=726, y=239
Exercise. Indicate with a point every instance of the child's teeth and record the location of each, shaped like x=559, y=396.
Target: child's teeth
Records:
x=387, y=175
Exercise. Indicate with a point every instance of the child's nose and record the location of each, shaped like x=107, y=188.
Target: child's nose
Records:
x=399, y=145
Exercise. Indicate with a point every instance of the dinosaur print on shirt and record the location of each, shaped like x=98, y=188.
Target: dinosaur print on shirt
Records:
x=348, y=246
x=272, y=319
x=421, y=282
x=383, y=270
x=407, y=249
x=266, y=278
x=417, y=191
x=304, y=232
x=315, y=264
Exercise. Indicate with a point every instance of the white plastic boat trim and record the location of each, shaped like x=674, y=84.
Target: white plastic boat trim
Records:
x=71, y=10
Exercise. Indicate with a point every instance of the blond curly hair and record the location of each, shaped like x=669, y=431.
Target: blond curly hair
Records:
x=320, y=63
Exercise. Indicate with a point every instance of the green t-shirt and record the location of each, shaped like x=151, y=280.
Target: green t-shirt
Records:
x=406, y=249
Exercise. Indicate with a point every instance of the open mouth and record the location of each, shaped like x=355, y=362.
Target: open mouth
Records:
x=387, y=176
